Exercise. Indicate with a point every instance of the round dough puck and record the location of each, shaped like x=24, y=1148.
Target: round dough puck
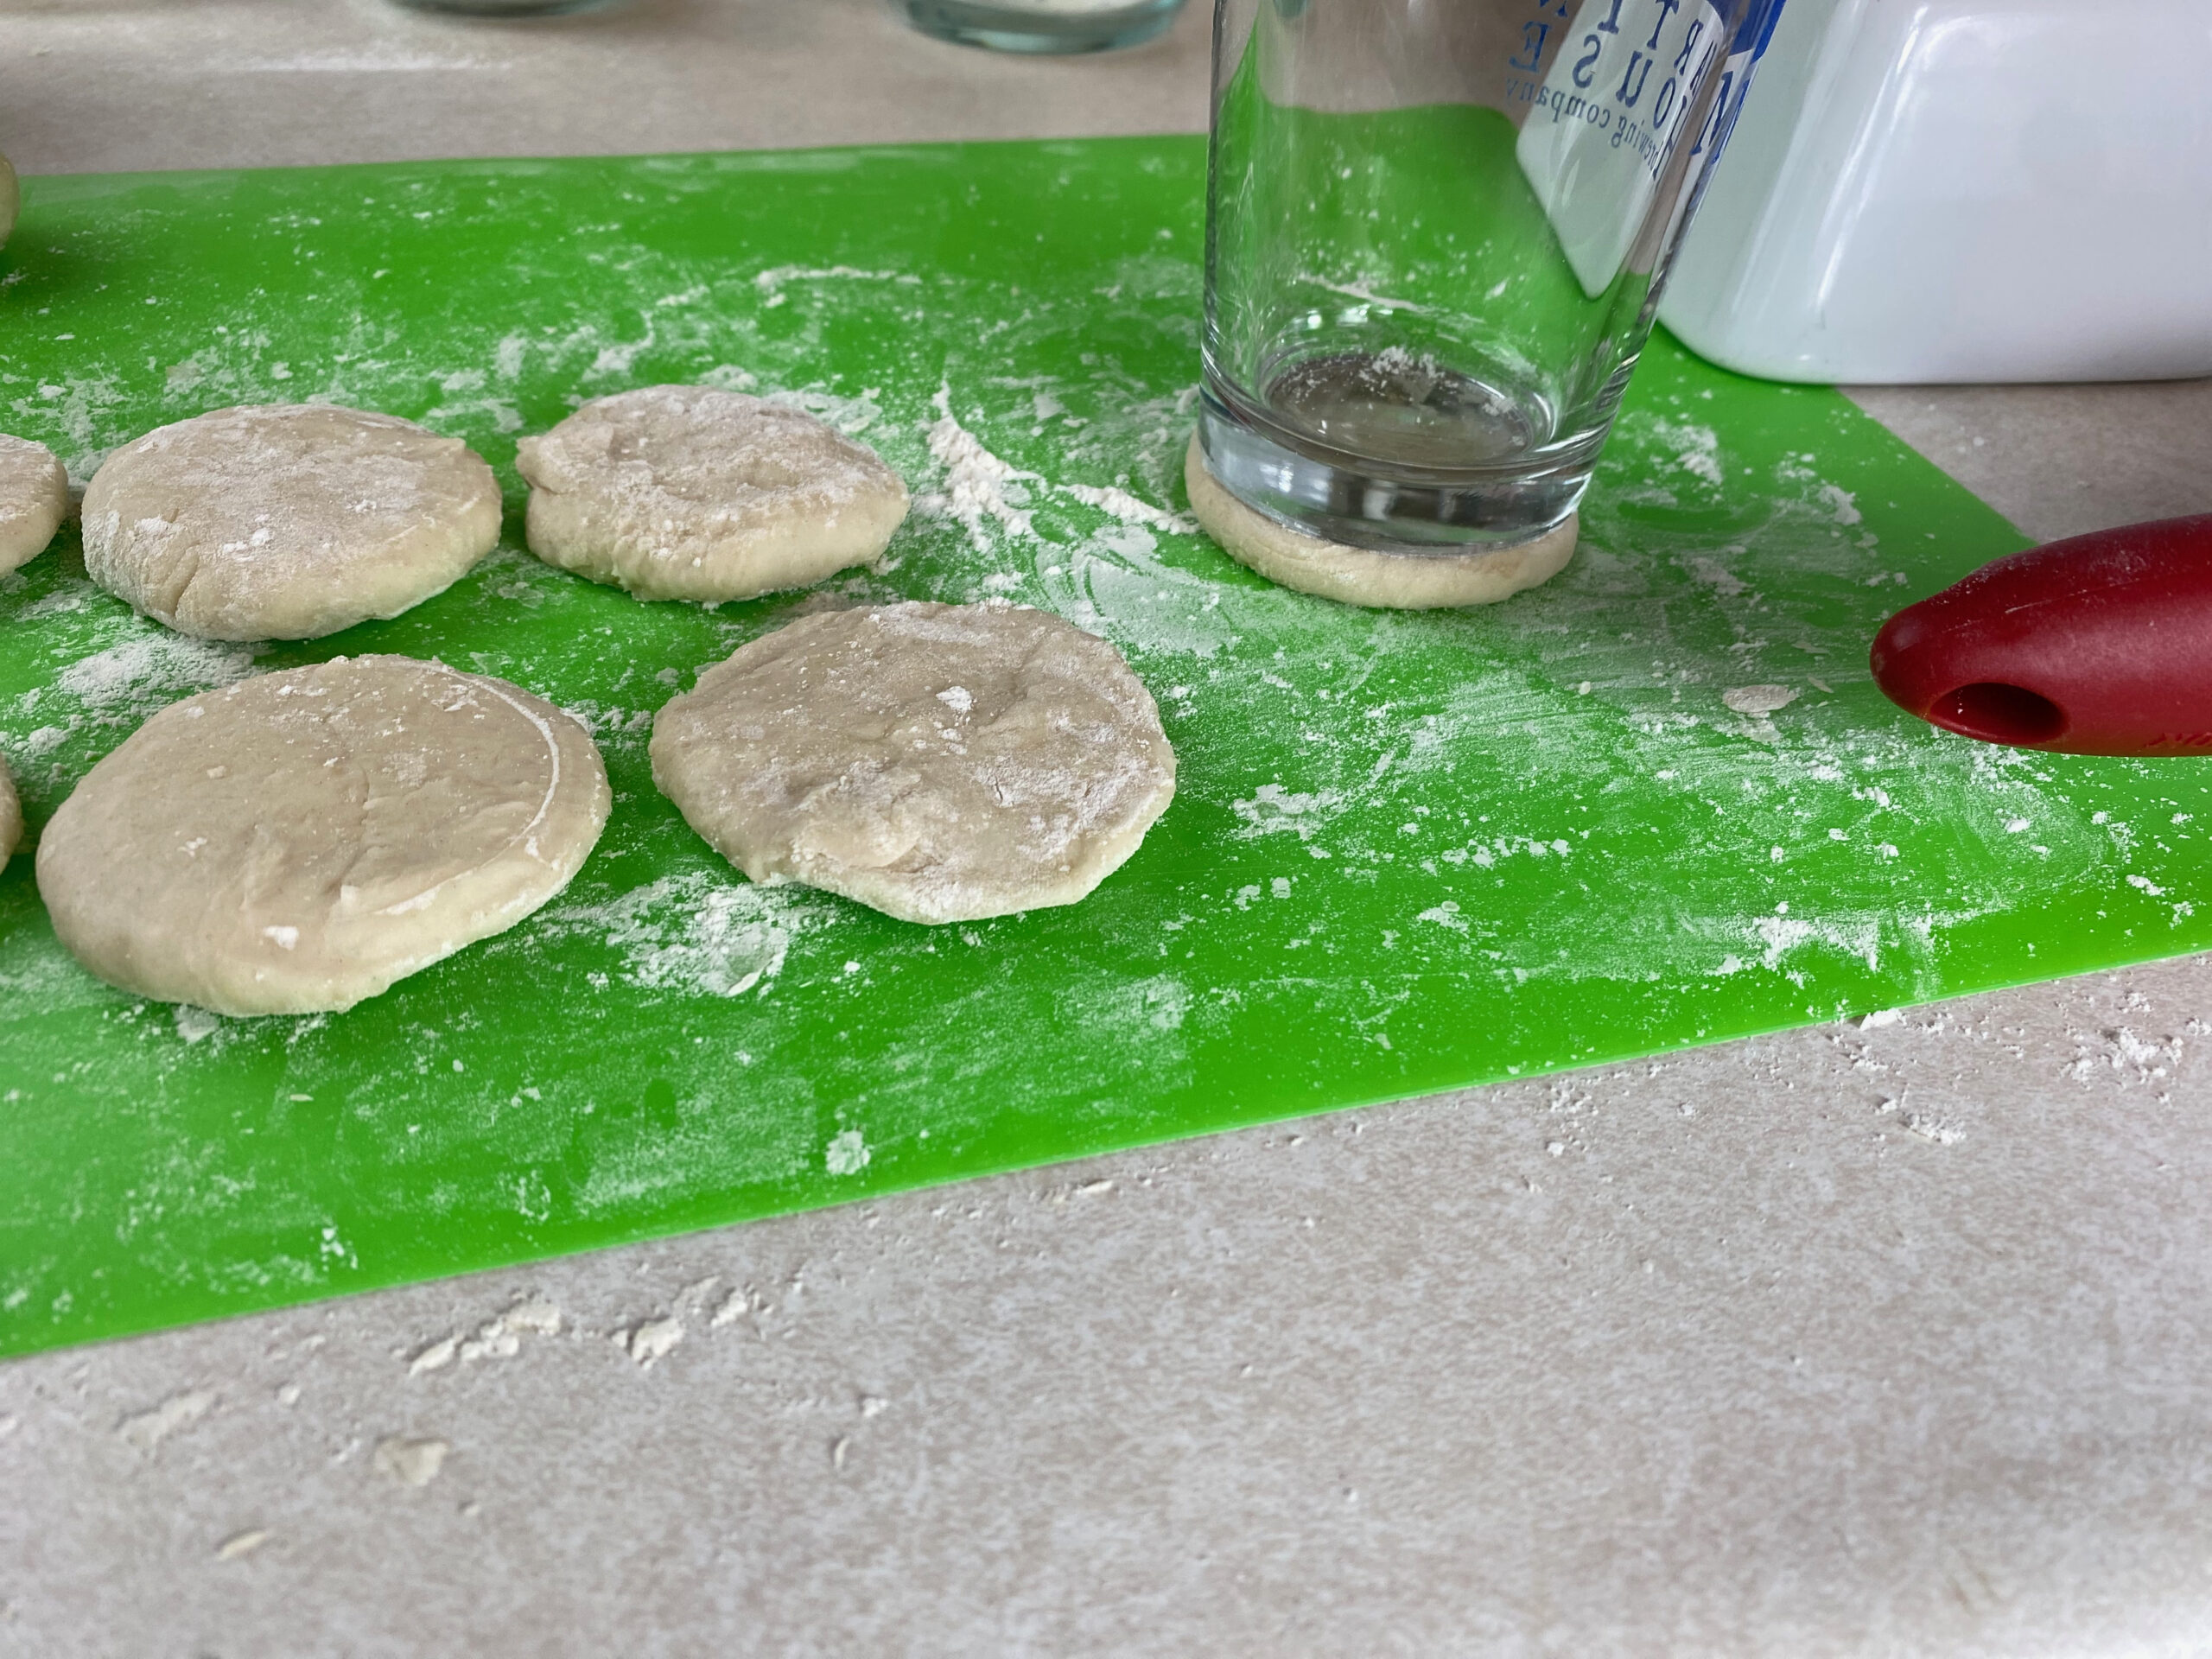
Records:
x=941, y=763
x=286, y=521
x=297, y=842
x=11, y=817
x=33, y=499
x=690, y=493
x=1362, y=576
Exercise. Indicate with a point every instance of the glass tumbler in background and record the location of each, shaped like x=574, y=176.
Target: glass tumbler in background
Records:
x=1436, y=232
x=509, y=8
x=1043, y=25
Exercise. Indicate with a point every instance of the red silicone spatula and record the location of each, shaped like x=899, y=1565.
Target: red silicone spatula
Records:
x=2097, y=645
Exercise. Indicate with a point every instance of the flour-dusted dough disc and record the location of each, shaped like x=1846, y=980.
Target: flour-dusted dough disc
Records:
x=33, y=499
x=1360, y=575
x=297, y=842
x=287, y=521
x=940, y=762
x=688, y=492
x=11, y=817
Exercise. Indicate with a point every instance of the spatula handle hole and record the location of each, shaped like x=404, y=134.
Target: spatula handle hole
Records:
x=1998, y=713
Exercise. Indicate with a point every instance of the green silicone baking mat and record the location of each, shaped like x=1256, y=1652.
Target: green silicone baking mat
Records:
x=1407, y=851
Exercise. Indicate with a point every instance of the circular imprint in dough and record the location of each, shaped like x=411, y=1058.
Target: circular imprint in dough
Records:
x=690, y=493
x=33, y=499
x=11, y=817
x=296, y=843
x=1361, y=575
x=942, y=763
x=287, y=521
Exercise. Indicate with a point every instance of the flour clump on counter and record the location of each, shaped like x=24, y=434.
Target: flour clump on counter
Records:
x=286, y=521
x=941, y=763
x=33, y=499
x=1364, y=575
x=691, y=493
x=297, y=842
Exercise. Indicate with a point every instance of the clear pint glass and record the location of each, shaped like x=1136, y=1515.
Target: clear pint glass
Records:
x=1436, y=232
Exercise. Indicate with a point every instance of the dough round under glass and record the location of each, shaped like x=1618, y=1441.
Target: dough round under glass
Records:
x=1361, y=575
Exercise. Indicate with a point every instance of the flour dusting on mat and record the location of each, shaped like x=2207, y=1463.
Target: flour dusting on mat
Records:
x=770, y=282
x=1125, y=507
x=848, y=1153
x=1273, y=810
x=140, y=675
x=980, y=490
x=1758, y=699
x=698, y=935
x=850, y=415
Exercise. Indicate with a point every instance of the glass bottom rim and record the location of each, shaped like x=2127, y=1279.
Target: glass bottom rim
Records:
x=1576, y=453
x=1359, y=505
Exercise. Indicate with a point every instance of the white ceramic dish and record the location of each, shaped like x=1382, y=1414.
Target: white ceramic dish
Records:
x=1963, y=190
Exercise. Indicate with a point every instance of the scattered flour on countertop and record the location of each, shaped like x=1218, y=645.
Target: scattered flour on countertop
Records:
x=735, y=1307
x=410, y=1462
x=1929, y=1128
x=241, y=1543
x=147, y=1429
x=649, y=1340
x=497, y=1338
x=434, y=1356
x=2120, y=1050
